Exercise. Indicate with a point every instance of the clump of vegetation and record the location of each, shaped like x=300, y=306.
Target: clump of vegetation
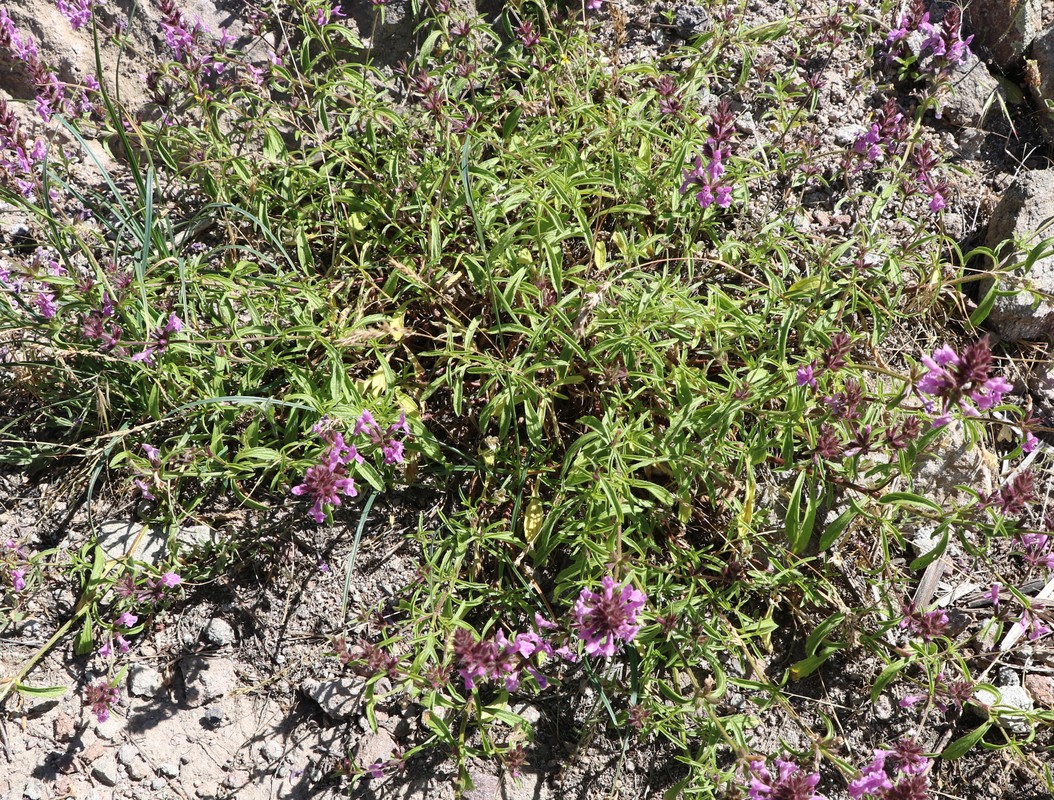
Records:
x=571, y=295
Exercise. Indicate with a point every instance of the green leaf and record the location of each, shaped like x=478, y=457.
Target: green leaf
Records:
x=888, y=674
x=835, y=529
x=926, y=559
x=910, y=499
x=85, y=640
x=964, y=744
x=40, y=691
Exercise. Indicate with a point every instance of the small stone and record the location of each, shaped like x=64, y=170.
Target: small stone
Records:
x=484, y=787
x=1041, y=687
x=157, y=784
x=272, y=750
x=169, y=769
x=64, y=727
x=531, y=714
x=883, y=707
x=138, y=770
x=219, y=632
x=34, y=790
x=339, y=699
x=374, y=747
x=106, y=771
x=236, y=779
x=691, y=21
x=143, y=681
x=214, y=716
x=1010, y=697
x=127, y=754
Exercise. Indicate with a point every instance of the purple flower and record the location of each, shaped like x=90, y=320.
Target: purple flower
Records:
x=608, y=615
x=18, y=579
x=791, y=782
x=873, y=779
x=805, y=376
x=926, y=624
x=46, y=303
x=170, y=580
x=1030, y=443
x=101, y=696
x=144, y=489
x=152, y=454
x=594, y=5
x=325, y=483
x=126, y=620
x=962, y=379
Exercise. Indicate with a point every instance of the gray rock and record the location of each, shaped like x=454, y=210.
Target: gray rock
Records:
x=339, y=699
x=528, y=785
x=150, y=543
x=1040, y=79
x=127, y=754
x=215, y=716
x=484, y=787
x=1024, y=214
x=143, y=681
x=272, y=750
x=169, y=769
x=219, y=632
x=138, y=770
x=690, y=21
x=106, y=771
x=973, y=93
x=1002, y=29
x=34, y=790
x=157, y=784
x=954, y=460
x=207, y=679
x=1010, y=698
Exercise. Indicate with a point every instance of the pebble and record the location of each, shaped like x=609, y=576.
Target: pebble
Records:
x=34, y=790
x=106, y=771
x=272, y=750
x=169, y=769
x=157, y=784
x=143, y=681
x=219, y=632
x=214, y=716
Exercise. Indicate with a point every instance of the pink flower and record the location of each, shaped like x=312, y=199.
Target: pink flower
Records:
x=126, y=620
x=18, y=579
x=170, y=580
x=603, y=617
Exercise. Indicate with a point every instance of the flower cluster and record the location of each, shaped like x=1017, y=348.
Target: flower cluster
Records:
x=1037, y=549
x=925, y=161
x=948, y=694
x=709, y=178
x=961, y=380
x=141, y=597
x=669, y=101
x=13, y=565
x=607, y=616
x=501, y=658
x=101, y=696
x=77, y=12
x=790, y=782
x=926, y=624
x=942, y=46
x=896, y=774
x=159, y=340
x=888, y=135
x=328, y=480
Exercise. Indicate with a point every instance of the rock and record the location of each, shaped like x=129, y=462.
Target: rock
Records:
x=1010, y=697
x=1039, y=77
x=1002, y=29
x=150, y=543
x=106, y=771
x=690, y=20
x=528, y=785
x=847, y=135
x=214, y=716
x=207, y=679
x=138, y=770
x=973, y=93
x=236, y=779
x=144, y=681
x=219, y=632
x=34, y=790
x=127, y=754
x=374, y=747
x=1026, y=207
x=1041, y=687
x=157, y=784
x=339, y=699
x=64, y=727
x=484, y=787
x=271, y=750
x=169, y=769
